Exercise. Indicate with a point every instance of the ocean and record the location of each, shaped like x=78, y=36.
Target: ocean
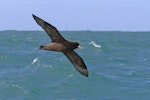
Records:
x=118, y=65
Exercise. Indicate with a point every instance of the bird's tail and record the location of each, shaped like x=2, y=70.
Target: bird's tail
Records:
x=41, y=47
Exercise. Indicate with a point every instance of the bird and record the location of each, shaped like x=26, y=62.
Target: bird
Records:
x=60, y=44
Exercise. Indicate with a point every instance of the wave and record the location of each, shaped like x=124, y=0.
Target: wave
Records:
x=35, y=60
x=94, y=44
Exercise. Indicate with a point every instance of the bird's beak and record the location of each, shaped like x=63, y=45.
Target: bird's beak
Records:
x=80, y=47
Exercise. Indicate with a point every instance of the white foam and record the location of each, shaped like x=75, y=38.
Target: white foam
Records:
x=35, y=60
x=15, y=85
x=94, y=44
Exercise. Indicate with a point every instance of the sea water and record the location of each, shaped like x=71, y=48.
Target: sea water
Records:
x=118, y=65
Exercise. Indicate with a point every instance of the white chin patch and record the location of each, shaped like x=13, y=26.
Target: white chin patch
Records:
x=80, y=47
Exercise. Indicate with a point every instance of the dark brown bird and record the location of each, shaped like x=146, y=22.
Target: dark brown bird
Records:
x=60, y=44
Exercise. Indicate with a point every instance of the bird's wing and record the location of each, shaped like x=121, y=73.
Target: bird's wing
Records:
x=77, y=61
x=51, y=30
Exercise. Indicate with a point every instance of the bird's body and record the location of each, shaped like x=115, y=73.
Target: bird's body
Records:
x=60, y=47
x=60, y=44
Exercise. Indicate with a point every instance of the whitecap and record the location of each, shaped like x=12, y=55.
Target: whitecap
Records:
x=35, y=60
x=94, y=44
x=70, y=76
x=16, y=85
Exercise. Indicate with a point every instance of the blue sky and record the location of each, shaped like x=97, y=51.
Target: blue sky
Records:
x=102, y=15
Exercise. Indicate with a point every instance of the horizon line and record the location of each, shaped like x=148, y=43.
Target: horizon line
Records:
x=83, y=30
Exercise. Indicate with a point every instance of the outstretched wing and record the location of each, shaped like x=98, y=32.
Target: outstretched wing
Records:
x=51, y=30
x=77, y=61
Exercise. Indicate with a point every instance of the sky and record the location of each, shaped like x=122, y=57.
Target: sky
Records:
x=96, y=15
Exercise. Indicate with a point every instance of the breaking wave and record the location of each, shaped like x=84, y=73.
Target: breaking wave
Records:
x=94, y=44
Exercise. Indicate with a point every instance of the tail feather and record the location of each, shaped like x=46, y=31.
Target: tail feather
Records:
x=41, y=47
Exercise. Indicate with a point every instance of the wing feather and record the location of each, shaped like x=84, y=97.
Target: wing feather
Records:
x=51, y=30
x=77, y=61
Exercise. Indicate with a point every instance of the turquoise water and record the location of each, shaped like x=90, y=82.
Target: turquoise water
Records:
x=118, y=64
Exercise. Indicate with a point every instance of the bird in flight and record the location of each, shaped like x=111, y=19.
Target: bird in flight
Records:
x=60, y=44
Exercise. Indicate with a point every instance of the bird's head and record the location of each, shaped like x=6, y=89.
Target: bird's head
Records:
x=78, y=46
x=74, y=45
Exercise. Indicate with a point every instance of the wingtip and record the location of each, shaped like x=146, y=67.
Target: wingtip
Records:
x=86, y=74
x=83, y=72
x=33, y=15
x=39, y=20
